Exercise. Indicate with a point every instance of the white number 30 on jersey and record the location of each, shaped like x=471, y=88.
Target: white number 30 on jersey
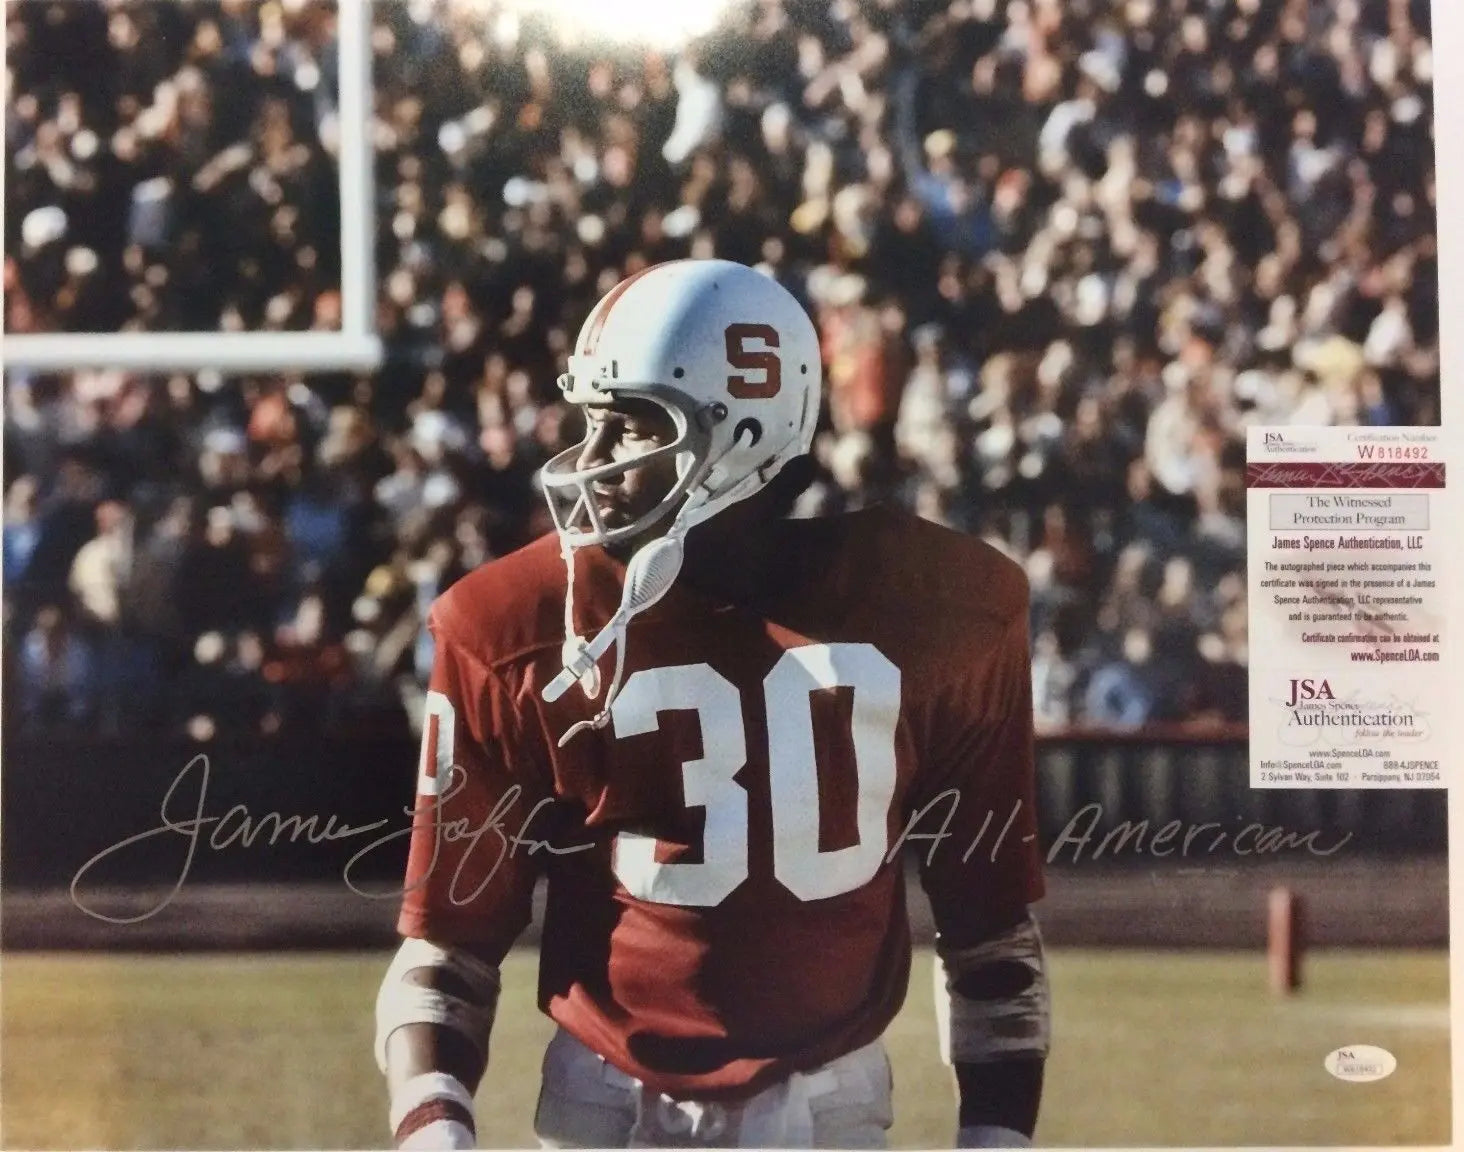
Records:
x=798, y=863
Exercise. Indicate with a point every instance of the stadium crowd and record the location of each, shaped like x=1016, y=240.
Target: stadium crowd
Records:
x=1060, y=255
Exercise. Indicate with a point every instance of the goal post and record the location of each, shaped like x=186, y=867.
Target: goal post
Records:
x=225, y=352
x=355, y=347
x=1285, y=939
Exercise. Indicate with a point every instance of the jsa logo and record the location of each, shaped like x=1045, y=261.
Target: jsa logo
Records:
x=1309, y=690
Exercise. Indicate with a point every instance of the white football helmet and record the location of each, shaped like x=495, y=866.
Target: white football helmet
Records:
x=735, y=360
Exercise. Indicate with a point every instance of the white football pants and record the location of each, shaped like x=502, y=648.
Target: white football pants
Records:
x=586, y=1102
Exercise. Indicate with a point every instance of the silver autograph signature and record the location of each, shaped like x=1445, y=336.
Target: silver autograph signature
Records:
x=182, y=814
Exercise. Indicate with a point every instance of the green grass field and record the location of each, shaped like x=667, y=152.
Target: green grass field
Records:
x=274, y=1052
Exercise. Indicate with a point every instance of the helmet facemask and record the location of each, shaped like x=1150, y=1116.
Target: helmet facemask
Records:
x=567, y=489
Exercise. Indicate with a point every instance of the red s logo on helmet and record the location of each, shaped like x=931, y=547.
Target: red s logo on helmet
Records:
x=754, y=360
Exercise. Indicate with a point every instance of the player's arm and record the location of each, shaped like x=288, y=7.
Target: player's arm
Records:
x=434, y=1014
x=467, y=898
x=991, y=989
x=993, y=1012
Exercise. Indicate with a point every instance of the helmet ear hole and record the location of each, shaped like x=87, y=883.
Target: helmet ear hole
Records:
x=752, y=427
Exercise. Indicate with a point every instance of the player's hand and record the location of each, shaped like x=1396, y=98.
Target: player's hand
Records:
x=439, y=1136
x=990, y=1136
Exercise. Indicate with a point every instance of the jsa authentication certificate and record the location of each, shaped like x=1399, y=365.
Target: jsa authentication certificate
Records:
x=1346, y=605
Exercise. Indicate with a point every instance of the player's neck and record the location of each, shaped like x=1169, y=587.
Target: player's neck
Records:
x=722, y=562
x=739, y=570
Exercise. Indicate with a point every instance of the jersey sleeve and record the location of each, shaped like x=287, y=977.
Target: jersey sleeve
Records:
x=480, y=802
x=981, y=789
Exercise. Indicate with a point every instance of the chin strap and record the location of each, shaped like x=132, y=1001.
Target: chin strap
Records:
x=602, y=717
x=575, y=646
x=648, y=576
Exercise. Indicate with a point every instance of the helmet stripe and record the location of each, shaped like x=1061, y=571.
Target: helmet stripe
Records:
x=602, y=313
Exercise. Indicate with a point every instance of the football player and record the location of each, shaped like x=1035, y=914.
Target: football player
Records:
x=716, y=729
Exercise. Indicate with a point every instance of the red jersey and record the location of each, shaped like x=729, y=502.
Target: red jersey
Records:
x=726, y=897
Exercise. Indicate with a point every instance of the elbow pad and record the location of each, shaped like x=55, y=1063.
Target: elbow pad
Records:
x=464, y=1001
x=992, y=1000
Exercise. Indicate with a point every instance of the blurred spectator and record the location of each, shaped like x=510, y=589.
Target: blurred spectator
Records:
x=102, y=570
x=56, y=672
x=1122, y=692
x=306, y=666
x=22, y=530
x=1060, y=257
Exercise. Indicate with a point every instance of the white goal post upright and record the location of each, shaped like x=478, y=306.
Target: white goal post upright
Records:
x=357, y=172
x=356, y=347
